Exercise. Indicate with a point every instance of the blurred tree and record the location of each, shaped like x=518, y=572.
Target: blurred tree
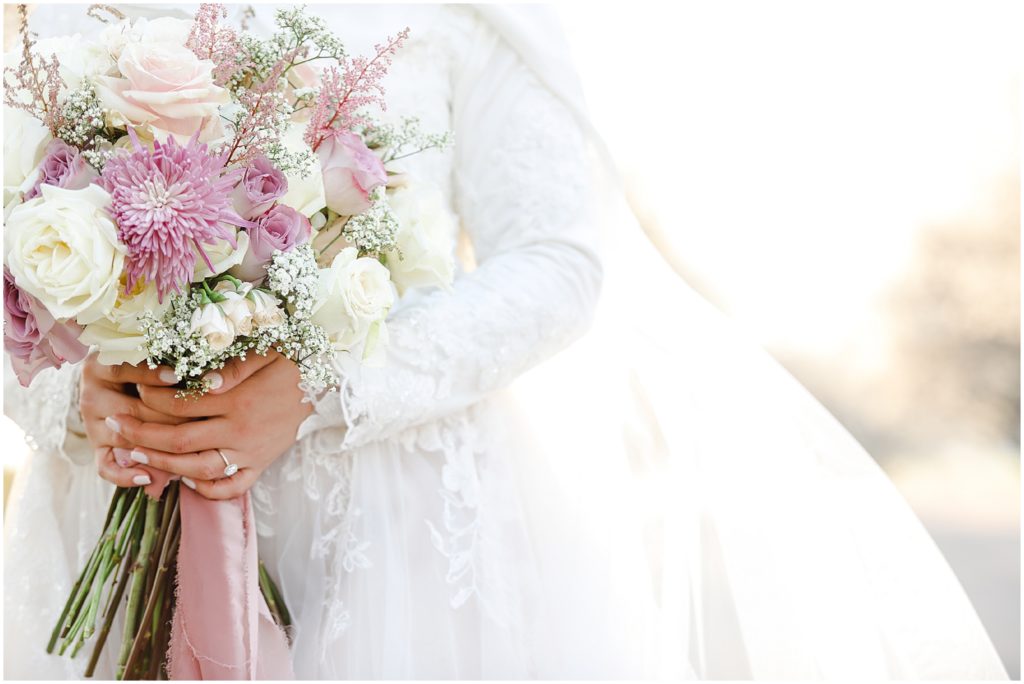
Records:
x=955, y=328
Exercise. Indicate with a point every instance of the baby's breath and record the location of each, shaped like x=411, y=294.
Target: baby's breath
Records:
x=393, y=142
x=292, y=279
x=373, y=231
x=81, y=117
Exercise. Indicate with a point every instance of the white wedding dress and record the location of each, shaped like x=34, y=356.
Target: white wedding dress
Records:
x=658, y=498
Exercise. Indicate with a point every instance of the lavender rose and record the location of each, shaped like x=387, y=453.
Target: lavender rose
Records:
x=62, y=166
x=351, y=171
x=32, y=337
x=280, y=228
x=262, y=184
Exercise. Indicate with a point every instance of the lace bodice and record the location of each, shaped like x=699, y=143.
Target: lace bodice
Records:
x=518, y=181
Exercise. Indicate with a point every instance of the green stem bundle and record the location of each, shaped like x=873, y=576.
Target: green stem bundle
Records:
x=132, y=572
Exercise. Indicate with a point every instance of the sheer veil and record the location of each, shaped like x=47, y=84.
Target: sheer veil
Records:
x=776, y=547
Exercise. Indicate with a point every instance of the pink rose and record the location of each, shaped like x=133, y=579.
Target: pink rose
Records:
x=280, y=228
x=262, y=184
x=351, y=172
x=64, y=167
x=166, y=86
x=32, y=337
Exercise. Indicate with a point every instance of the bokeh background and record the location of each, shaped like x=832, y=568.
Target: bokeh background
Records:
x=844, y=181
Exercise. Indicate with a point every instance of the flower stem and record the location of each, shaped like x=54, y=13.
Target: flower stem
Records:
x=169, y=550
x=138, y=579
x=274, y=599
x=76, y=616
x=111, y=610
x=108, y=561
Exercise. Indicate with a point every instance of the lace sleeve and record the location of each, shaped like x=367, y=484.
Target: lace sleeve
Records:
x=48, y=411
x=521, y=188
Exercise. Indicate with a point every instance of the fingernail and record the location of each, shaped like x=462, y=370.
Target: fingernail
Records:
x=122, y=457
x=139, y=457
x=213, y=380
x=168, y=376
x=112, y=424
x=188, y=483
x=141, y=480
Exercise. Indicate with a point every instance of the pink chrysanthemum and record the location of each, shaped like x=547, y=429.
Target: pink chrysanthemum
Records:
x=165, y=202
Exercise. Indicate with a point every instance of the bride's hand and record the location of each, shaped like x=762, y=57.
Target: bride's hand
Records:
x=106, y=391
x=252, y=417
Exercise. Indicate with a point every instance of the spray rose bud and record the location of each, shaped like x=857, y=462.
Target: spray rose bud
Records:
x=236, y=306
x=210, y=322
x=266, y=310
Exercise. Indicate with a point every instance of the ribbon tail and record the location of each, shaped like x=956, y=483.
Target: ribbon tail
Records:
x=222, y=627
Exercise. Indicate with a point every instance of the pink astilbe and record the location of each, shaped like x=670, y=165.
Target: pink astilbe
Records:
x=36, y=76
x=261, y=104
x=167, y=201
x=219, y=44
x=344, y=93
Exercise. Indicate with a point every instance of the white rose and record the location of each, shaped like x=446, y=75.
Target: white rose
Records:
x=266, y=309
x=62, y=248
x=116, y=36
x=236, y=309
x=25, y=141
x=117, y=336
x=223, y=256
x=352, y=295
x=210, y=322
x=305, y=195
x=426, y=230
x=81, y=60
x=163, y=30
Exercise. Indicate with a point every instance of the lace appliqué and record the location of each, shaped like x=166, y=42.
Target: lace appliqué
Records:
x=326, y=473
x=449, y=349
x=460, y=492
x=45, y=409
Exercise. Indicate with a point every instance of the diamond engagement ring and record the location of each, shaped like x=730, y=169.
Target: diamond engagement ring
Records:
x=229, y=468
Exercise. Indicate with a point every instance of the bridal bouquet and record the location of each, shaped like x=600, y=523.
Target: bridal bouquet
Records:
x=183, y=193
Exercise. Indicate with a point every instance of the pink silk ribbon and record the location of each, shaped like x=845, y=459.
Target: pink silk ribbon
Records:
x=222, y=627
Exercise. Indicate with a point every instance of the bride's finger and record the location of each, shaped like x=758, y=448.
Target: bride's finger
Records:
x=204, y=465
x=228, y=487
x=123, y=374
x=236, y=371
x=102, y=436
x=102, y=403
x=187, y=438
x=110, y=471
x=164, y=400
